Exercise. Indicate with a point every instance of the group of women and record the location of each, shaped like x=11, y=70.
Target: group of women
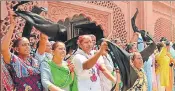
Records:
x=53, y=73
x=89, y=69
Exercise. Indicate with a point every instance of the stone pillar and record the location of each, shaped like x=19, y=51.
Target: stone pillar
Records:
x=148, y=17
x=4, y=12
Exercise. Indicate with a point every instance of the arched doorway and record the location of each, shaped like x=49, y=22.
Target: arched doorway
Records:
x=111, y=21
x=73, y=23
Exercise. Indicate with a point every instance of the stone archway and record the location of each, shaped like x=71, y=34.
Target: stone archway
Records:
x=61, y=11
x=70, y=24
x=112, y=21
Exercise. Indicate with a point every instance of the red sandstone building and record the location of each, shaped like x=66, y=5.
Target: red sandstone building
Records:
x=114, y=17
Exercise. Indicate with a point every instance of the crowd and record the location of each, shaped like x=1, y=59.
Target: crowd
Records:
x=28, y=68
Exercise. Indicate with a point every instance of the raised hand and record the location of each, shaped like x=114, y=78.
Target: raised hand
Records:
x=71, y=66
x=103, y=48
x=7, y=39
x=12, y=18
x=137, y=11
x=135, y=28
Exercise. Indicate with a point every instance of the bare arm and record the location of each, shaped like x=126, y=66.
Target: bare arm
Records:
x=107, y=73
x=6, y=41
x=117, y=87
x=92, y=61
x=54, y=88
x=42, y=43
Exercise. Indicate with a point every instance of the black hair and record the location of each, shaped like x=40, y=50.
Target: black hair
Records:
x=163, y=39
x=159, y=46
x=173, y=46
x=16, y=42
x=129, y=47
x=167, y=43
x=32, y=35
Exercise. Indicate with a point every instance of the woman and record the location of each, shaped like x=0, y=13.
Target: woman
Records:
x=163, y=61
x=24, y=69
x=106, y=71
x=137, y=64
x=154, y=65
x=85, y=64
x=56, y=74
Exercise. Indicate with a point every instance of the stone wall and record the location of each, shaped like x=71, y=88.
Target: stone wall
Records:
x=114, y=17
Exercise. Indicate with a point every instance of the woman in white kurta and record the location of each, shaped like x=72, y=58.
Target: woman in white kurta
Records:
x=107, y=79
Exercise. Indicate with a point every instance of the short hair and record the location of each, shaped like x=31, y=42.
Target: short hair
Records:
x=32, y=35
x=81, y=38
